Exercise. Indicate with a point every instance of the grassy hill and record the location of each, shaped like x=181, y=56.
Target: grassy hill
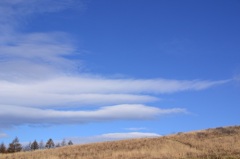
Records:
x=218, y=143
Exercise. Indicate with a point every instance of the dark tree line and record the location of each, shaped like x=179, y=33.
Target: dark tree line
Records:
x=16, y=146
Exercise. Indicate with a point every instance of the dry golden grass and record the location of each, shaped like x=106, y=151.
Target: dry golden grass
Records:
x=219, y=143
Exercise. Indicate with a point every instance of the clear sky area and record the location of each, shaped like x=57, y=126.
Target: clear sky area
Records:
x=97, y=70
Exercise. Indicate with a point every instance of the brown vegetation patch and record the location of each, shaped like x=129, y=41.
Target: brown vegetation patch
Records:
x=219, y=143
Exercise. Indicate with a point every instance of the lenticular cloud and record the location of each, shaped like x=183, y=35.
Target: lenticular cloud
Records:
x=18, y=115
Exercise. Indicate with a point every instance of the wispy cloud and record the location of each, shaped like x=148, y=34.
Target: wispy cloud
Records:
x=13, y=12
x=77, y=91
x=36, y=55
x=16, y=9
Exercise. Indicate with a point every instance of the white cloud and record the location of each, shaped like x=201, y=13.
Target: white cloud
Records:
x=16, y=115
x=36, y=55
x=81, y=91
x=105, y=85
x=15, y=9
x=112, y=137
x=14, y=12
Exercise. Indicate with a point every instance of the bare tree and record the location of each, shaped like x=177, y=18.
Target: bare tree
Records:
x=15, y=146
x=50, y=144
x=34, y=145
x=3, y=148
x=70, y=142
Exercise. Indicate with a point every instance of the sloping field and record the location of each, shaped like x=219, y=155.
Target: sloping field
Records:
x=219, y=143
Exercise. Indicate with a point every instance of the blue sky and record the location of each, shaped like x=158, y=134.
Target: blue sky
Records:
x=104, y=70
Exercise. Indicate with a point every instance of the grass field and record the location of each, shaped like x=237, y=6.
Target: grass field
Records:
x=218, y=143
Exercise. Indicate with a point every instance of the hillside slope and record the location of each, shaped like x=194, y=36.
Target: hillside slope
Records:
x=218, y=143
